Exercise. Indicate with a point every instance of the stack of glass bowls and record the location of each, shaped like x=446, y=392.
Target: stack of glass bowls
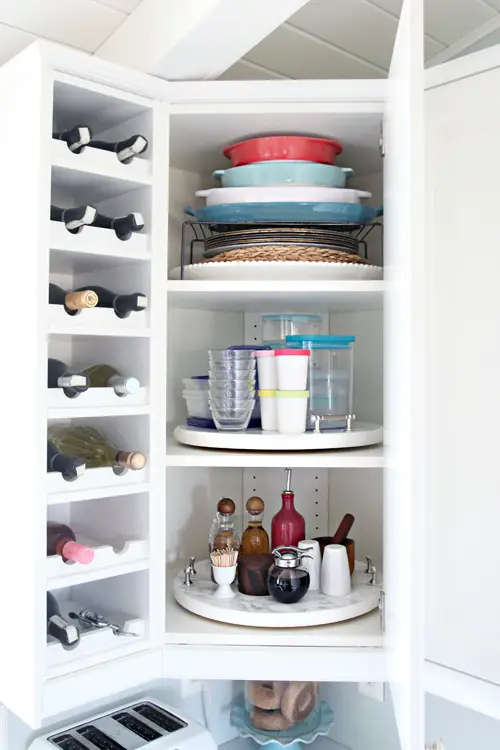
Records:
x=231, y=385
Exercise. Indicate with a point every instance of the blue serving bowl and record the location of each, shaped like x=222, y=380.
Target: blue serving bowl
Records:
x=307, y=213
x=276, y=173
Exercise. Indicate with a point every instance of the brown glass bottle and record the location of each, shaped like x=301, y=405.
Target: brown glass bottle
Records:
x=255, y=540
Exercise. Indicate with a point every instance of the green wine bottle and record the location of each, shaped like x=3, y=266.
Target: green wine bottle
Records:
x=106, y=376
x=87, y=443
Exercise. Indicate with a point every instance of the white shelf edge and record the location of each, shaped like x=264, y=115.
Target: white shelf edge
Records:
x=100, y=163
x=94, y=242
x=255, y=295
x=308, y=663
x=97, y=411
x=96, y=574
x=95, y=330
x=183, y=455
x=461, y=688
x=80, y=496
x=72, y=669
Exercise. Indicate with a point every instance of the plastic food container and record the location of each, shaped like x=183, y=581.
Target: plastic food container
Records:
x=292, y=368
x=295, y=147
x=291, y=411
x=266, y=368
x=197, y=404
x=286, y=172
x=331, y=375
x=196, y=383
x=268, y=415
x=277, y=707
x=275, y=328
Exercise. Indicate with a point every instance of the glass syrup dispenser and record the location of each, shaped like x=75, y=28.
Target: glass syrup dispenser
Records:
x=288, y=582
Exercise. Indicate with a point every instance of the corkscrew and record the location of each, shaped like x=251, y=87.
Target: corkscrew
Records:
x=93, y=620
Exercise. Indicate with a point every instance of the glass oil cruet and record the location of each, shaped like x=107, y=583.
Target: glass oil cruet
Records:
x=255, y=540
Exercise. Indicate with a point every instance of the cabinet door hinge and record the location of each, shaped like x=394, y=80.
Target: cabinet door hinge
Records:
x=381, y=606
x=381, y=142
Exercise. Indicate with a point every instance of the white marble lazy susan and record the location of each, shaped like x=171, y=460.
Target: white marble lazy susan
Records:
x=264, y=612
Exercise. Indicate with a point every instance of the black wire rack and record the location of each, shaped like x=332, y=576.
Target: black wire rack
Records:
x=195, y=233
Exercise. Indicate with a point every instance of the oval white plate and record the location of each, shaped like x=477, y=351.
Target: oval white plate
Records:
x=284, y=194
x=274, y=270
x=264, y=612
x=362, y=434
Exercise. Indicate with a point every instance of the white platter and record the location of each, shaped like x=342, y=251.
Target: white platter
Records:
x=285, y=194
x=362, y=434
x=274, y=270
x=264, y=612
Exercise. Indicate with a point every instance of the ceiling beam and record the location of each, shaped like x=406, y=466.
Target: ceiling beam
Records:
x=193, y=39
x=463, y=44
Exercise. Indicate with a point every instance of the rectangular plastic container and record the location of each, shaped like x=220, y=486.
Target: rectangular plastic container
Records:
x=276, y=328
x=331, y=377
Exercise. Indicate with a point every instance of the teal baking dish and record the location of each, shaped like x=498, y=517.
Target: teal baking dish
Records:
x=284, y=172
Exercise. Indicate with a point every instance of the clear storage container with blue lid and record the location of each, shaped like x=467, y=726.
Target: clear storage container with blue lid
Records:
x=331, y=377
x=276, y=327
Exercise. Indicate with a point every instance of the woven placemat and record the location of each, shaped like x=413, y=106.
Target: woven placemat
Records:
x=287, y=253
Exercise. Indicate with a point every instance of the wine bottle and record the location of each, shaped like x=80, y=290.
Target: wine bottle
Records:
x=69, y=466
x=124, y=150
x=106, y=376
x=93, y=447
x=62, y=541
x=58, y=627
x=123, y=226
x=74, y=218
x=122, y=304
x=72, y=301
x=76, y=138
x=58, y=376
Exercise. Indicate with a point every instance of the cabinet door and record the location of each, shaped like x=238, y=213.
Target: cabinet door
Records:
x=25, y=91
x=463, y=298
x=403, y=374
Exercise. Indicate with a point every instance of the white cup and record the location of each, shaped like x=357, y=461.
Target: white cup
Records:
x=268, y=414
x=313, y=566
x=292, y=367
x=224, y=578
x=291, y=411
x=266, y=369
x=335, y=575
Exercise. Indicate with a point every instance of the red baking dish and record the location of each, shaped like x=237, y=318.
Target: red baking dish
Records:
x=271, y=148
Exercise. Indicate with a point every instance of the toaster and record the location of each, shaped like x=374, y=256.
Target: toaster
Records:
x=141, y=725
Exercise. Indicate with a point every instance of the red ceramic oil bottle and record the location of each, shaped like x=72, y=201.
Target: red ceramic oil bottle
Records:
x=288, y=527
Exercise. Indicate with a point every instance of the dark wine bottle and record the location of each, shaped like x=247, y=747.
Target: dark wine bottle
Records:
x=123, y=226
x=69, y=466
x=58, y=627
x=58, y=376
x=74, y=218
x=76, y=138
x=72, y=301
x=124, y=150
x=122, y=304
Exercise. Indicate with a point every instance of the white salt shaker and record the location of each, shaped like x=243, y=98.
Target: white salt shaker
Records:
x=313, y=566
x=335, y=574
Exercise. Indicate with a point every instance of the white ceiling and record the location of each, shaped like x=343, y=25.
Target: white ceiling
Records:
x=354, y=38
x=325, y=39
x=84, y=24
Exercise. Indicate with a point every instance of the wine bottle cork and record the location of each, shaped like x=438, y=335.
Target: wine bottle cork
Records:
x=131, y=459
x=80, y=300
x=255, y=505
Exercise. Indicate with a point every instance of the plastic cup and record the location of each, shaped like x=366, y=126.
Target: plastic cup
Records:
x=268, y=414
x=266, y=366
x=292, y=366
x=291, y=411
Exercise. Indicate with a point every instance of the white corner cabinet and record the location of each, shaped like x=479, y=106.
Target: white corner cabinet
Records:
x=163, y=512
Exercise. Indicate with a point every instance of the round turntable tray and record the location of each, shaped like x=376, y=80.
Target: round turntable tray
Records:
x=264, y=612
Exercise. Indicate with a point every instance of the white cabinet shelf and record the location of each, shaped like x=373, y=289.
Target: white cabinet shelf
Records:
x=95, y=481
x=93, y=249
x=357, y=458
x=107, y=563
x=97, y=321
x=270, y=296
x=65, y=496
x=96, y=402
x=94, y=161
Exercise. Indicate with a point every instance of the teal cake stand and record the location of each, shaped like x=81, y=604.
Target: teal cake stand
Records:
x=317, y=723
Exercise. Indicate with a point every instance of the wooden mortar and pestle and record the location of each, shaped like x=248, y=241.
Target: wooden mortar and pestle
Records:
x=340, y=537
